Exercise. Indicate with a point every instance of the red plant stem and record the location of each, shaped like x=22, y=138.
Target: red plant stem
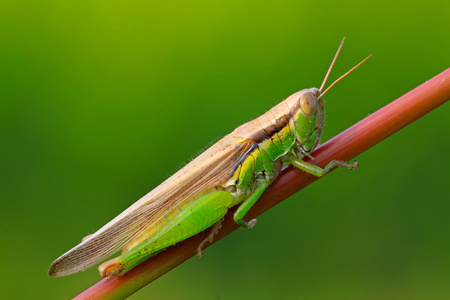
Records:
x=344, y=146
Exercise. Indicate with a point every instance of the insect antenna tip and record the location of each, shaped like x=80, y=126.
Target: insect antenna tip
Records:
x=332, y=64
x=348, y=72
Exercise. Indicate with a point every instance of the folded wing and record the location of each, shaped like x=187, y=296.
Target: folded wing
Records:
x=210, y=169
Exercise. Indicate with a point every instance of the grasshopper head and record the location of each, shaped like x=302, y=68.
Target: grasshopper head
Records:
x=309, y=117
x=308, y=120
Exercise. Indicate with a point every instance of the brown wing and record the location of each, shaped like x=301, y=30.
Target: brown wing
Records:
x=210, y=169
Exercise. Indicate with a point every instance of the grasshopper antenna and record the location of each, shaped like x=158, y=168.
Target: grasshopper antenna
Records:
x=348, y=72
x=332, y=64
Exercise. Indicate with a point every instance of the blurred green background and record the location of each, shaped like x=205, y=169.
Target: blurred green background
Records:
x=102, y=100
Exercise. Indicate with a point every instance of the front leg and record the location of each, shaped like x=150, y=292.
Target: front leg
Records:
x=318, y=171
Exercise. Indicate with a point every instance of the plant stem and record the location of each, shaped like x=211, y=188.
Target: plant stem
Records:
x=344, y=146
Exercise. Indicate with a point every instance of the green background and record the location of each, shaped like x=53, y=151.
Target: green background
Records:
x=101, y=100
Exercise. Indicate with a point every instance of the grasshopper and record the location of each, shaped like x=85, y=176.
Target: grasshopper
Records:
x=234, y=171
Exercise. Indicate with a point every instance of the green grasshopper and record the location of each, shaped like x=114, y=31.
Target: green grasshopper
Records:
x=234, y=171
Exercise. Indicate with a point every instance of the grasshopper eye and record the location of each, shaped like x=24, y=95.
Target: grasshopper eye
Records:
x=308, y=104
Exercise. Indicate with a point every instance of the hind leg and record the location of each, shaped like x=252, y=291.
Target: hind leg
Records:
x=195, y=218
